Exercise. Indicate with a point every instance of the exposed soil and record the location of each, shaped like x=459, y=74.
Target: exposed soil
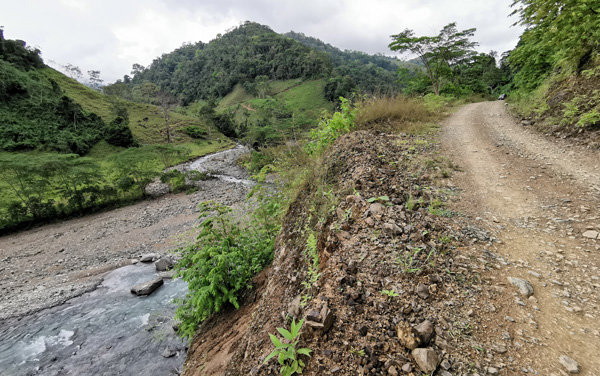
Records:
x=525, y=202
x=538, y=196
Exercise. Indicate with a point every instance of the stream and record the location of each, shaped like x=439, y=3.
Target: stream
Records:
x=110, y=331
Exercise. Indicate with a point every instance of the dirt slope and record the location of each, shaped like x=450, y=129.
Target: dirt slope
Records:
x=539, y=196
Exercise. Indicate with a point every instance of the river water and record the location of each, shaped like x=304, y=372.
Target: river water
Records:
x=109, y=331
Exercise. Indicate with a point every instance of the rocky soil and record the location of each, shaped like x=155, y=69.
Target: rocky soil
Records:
x=46, y=266
x=539, y=197
x=502, y=280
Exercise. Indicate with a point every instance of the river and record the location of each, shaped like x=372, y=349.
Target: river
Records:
x=110, y=331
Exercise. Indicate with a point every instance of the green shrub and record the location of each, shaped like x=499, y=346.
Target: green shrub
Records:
x=220, y=264
x=329, y=130
x=195, y=132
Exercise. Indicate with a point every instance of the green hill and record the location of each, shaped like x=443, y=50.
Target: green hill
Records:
x=251, y=53
x=66, y=149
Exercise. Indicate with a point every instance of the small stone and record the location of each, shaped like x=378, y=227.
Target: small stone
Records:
x=445, y=364
x=407, y=368
x=167, y=275
x=314, y=316
x=571, y=365
x=427, y=359
x=149, y=257
x=134, y=261
x=500, y=349
x=391, y=229
x=523, y=285
x=169, y=352
x=164, y=264
x=535, y=274
x=294, y=307
x=425, y=331
x=443, y=373
x=392, y=371
x=146, y=288
x=492, y=371
x=422, y=291
x=590, y=234
x=407, y=335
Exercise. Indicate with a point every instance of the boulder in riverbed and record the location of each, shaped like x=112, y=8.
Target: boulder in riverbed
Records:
x=149, y=257
x=164, y=264
x=148, y=287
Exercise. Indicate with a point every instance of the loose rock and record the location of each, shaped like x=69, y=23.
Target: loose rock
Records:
x=164, y=264
x=524, y=286
x=427, y=359
x=149, y=257
x=148, y=287
x=571, y=365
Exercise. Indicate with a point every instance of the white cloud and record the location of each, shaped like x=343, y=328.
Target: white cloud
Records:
x=113, y=34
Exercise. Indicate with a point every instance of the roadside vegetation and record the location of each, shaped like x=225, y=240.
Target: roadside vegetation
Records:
x=556, y=65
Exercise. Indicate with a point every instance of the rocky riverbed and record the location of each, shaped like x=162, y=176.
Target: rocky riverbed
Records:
x=49, y=266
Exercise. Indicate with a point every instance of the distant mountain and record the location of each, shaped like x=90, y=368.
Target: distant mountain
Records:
x=252, y=53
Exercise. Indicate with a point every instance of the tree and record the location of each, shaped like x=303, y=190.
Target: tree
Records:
x=73, y=71
x=438, y=53
x=166, y=101
x=95, y=80
x=262, y=85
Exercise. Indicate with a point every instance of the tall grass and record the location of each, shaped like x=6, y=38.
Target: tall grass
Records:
x=397, y=114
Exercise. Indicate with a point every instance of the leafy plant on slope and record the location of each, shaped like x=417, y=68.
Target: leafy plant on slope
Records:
x=286, y=353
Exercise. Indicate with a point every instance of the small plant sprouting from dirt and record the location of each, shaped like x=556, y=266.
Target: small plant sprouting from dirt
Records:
x=286, y=352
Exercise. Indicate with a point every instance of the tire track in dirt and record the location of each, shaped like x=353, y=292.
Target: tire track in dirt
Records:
x=538, y=196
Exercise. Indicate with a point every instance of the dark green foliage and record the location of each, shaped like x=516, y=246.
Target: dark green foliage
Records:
x=118, y=133
x=195, y=132
x=35, y=114
x=17, y=53
x=204, y=71
x=354, y=71
x=49, y=186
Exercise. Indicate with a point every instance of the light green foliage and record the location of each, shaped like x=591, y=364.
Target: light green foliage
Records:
x=389, y=293
x=220, y=264
x=329, y=130
x=134, y=168
x=384, y=199
x=286, y=352
x=312, y=257
x=582, y=110
x=408, y=260
x=559, y=34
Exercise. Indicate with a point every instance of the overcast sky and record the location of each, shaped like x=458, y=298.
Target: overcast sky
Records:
x=111, y=35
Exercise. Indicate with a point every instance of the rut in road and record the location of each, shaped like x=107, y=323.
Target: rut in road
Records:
x=538, y=196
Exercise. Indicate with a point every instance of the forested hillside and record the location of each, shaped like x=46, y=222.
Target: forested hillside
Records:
x=252, y=54
x=556, y=64
x=66, y=149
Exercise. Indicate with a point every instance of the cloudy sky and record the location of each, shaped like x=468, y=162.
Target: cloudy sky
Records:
x=111, y=35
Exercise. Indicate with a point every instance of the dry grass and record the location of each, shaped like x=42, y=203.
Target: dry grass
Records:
x=399, y=114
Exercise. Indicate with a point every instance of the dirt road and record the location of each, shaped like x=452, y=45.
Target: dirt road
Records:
x=539, y=197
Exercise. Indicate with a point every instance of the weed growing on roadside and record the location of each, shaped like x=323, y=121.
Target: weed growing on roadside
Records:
x=286, y=353
x=389, y=293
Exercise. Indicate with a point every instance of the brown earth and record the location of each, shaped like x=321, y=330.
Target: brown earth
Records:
x=538, y=196
x=525, y=202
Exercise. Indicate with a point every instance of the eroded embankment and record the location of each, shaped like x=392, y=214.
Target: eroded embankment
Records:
x=379, y=225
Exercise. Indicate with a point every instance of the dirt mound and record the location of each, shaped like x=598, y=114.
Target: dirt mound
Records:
x=393, y=274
